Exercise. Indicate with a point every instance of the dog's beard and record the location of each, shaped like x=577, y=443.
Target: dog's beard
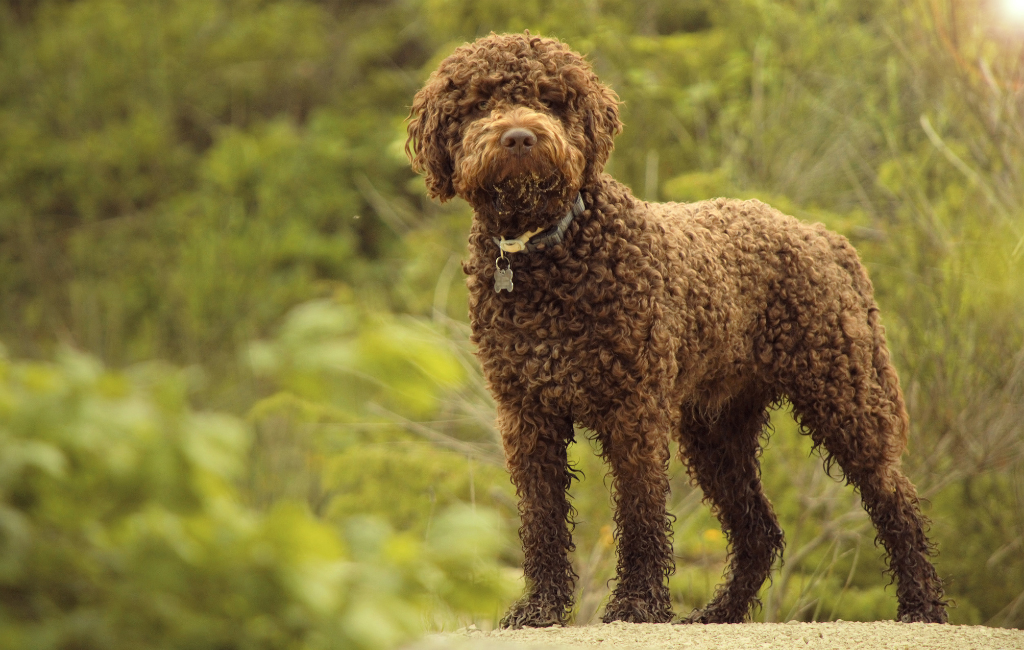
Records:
x=530, y=197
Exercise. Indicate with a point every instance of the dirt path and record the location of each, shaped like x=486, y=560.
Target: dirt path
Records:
x=839, y=635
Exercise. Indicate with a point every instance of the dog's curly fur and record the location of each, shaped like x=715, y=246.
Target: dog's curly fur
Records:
x=651, y=320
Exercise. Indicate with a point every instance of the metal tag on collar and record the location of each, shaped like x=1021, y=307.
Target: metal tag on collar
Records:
x=502, y=276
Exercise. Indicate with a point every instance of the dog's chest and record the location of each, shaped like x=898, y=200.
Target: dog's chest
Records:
x=567, y=343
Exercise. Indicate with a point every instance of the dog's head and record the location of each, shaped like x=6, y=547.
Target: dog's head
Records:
x=515, y=122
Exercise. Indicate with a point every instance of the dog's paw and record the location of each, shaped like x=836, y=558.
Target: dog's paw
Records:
x=533, y=612
x=924, y=614
x=696, y=616
x=712, y=615
x=637, y=610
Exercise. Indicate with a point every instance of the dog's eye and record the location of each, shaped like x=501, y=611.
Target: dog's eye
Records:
x=482, y=106
x=547, y=103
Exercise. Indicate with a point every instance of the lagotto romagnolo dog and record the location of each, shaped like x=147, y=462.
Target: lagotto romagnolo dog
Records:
x=641, y=321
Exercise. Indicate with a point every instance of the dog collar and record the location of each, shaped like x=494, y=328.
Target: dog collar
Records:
x=539, y=239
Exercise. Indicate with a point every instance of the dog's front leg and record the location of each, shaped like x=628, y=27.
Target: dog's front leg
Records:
x=636, y=447
x=535, y=452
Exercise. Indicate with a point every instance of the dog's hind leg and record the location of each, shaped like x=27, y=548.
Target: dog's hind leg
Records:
x=722, y=457
x=853, y=407
x=637, y=450
x=892, y=503
x=536, y=455
x=848, y=398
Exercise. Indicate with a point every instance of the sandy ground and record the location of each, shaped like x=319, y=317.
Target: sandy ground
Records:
x=752, y=636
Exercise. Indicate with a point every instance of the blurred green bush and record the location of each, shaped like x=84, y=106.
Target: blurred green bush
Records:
x=121, y=527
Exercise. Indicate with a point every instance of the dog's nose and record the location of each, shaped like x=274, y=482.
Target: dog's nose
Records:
x=518, y=140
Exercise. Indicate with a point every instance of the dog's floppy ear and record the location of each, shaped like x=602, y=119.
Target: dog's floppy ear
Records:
x=427, y=146
x=600, y=107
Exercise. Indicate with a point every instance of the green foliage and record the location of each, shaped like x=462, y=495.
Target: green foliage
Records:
x=120, y=527
x=343, y=427
x=220, y=185
x=178, y=175
x=330, y=351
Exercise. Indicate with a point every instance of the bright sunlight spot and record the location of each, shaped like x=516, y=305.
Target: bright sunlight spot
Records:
x=1014, y=8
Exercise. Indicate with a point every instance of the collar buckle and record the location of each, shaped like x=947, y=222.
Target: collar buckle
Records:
x=519, y=244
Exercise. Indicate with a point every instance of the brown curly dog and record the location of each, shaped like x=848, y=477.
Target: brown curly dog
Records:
x=640, y=321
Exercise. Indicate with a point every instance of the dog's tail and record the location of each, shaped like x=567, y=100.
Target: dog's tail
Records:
x=884, y=369
x=888, y=379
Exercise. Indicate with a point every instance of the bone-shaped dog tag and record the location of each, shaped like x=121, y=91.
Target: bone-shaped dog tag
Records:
x=502, y=276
